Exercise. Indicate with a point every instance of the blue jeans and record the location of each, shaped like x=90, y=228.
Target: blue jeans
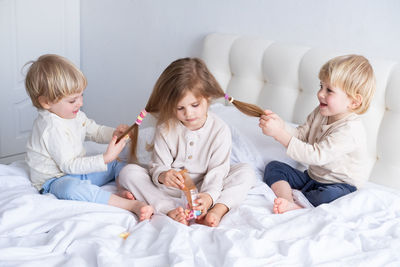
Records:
x=84, y=187
x=317, y=193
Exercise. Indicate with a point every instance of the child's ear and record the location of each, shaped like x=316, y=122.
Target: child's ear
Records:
x=44, y=102
x=356, y=102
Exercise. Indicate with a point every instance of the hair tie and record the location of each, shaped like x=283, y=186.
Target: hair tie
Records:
x=141, y=116
x=229, y=98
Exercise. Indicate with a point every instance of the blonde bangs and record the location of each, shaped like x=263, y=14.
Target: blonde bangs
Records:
x=53, y=77
x=67, y=80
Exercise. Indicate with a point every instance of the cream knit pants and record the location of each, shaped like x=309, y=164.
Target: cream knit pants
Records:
x=136, y=179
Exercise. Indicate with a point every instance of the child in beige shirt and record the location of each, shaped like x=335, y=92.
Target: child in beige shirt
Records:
x=332, y=142
x=189, y=137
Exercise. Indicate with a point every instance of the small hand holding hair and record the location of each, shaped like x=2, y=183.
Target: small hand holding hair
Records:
x=113, y=149
x=273, y=125
x=120, y=129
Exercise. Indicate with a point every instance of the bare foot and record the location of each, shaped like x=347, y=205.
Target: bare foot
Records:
x=122, y=192
x=282, y=205
x=143, y=211
x=214, y=216
x=178, y=215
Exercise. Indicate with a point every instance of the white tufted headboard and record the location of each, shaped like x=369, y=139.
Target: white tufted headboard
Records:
x=284, y=78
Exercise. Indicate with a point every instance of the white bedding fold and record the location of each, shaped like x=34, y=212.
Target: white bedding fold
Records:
x=361, y=229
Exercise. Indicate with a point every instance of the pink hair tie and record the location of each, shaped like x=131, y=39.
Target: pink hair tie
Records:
x=141, y=116
x=229, y=98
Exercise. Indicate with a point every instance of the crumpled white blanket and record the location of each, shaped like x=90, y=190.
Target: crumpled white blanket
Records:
x=361, y=229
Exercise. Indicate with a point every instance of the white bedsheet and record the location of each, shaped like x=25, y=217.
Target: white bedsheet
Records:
x=361, y=229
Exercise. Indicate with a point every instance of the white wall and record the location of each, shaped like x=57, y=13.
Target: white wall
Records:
x=126, y=44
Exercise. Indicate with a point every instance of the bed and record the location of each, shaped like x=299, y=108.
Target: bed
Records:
x=360, y=229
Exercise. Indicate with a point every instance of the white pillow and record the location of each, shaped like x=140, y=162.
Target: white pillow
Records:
x=146, y=137
x=244, y=151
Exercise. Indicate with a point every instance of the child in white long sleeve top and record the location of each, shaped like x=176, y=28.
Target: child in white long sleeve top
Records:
x=55, y=152
x=332, y=142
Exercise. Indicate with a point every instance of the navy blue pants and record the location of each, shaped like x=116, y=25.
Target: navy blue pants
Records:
x=316, y=193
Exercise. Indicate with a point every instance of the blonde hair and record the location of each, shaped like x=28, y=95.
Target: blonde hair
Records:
x=53, y=77
x=354, y=75
x=181, y=76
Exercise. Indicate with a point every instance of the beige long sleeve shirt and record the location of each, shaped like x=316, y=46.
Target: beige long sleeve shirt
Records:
x=55, y=147
x=335, y=153
x=205, y=153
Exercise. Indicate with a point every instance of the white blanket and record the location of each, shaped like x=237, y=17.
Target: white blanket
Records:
x=360, y=229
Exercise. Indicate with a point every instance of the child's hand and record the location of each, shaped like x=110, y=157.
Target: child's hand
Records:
x=271, y=124
x=204, y=202
x=113, y=149
x=120, y=129
x=172, y=178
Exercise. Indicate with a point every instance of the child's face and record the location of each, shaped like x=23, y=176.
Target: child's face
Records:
x=192, y=111
x=68, y=106
x=334, y=102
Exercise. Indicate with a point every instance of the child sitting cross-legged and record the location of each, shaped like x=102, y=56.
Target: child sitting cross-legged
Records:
x=55, y=151
x=190, y=137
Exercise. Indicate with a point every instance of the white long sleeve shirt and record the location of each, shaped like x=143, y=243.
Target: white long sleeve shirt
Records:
x=205, y=153
x=55, y=147
x=335, y=153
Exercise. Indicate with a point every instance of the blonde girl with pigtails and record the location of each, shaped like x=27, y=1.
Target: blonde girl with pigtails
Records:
x=189, y=137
